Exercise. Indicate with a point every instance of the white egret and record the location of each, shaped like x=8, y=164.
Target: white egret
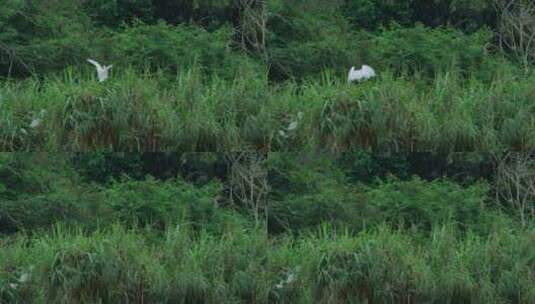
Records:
x=25, y=277
x=365, y=72
x=102, y=71
x=36, y=122
x=292, y=126
x=289, y=280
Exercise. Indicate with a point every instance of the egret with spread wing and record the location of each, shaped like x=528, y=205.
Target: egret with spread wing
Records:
x=102, y=71
x=365, y=72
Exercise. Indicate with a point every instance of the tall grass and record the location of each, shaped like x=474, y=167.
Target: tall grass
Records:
x=195, y=113
x=243, y=266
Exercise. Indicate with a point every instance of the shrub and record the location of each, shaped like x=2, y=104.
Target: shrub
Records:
x=371, y=14
x=175, y=48
x=39, y=37
x=39, y=189
x=208, y=13
x=467, y=15
x=306, y=38
x=42, y=211
x=116, y=12
x=162, y=203
x=425, y=204
x=427, y=50
x=101, y=167
x=308, y=190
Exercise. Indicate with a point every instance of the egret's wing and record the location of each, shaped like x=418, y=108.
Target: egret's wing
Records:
x=368, y=71
x=358, y=75
x=292, y=126
x=96, y=64
x=352, y=75
x=35, y=123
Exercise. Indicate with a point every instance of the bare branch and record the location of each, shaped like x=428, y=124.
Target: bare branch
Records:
x=517, y=28
x=515, y=183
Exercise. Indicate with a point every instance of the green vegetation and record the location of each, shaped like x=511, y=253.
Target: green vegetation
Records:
x=186, y=88
x=139, y=113
x=242, y=266
x=329, y=236
x=227, y=160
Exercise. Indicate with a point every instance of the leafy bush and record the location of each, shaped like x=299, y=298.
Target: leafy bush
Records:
x=307, y=37
x=39, y=37
x=209, y=13
x=175, y=48
x=427, y=50
x=308, y=190
x=27, y=174
x=468, y=15
x=417, y=203
x=371, y=14
x=38, y=190
x=101, y=167
x=151, y=202
x=116, y=12
x=38, y=212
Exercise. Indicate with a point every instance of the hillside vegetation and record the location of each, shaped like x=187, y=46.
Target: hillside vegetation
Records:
x=227, y=159
x=229, y=75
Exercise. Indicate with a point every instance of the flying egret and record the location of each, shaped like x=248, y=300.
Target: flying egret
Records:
x=365, y=72
x=102, y=71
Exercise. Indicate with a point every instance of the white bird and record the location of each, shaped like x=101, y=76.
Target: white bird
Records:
x=102, y=71
x=365, y=72
x=35, y=123
x=292, y=126
x=25, y=277
x=289, y=280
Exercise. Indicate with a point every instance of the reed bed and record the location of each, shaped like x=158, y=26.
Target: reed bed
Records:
x=150, y=112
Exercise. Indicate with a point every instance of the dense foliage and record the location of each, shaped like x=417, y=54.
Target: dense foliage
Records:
x=227, y=159
x=71, y=236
